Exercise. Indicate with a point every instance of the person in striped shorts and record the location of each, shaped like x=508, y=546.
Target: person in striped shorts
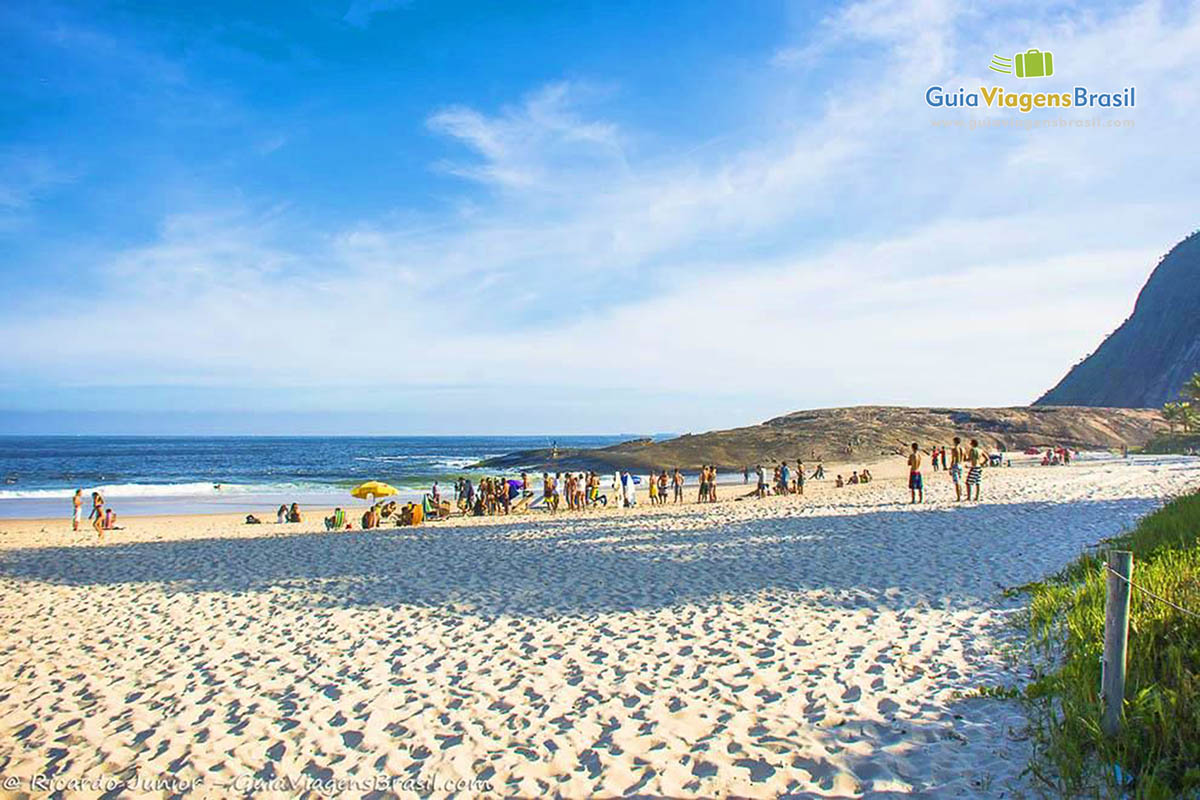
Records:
x=976, y=458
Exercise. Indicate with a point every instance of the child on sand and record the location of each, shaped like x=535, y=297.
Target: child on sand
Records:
x=915, y=485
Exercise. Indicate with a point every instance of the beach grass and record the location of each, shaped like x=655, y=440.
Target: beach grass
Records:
x=1157, y=753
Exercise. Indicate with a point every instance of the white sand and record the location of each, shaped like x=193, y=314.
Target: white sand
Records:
x=813, y=645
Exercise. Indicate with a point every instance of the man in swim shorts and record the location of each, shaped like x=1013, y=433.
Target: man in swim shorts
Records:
x=956, y=458
x=915, y=486
x=976, y=458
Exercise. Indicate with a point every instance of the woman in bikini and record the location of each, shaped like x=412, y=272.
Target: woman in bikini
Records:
x=97, y=515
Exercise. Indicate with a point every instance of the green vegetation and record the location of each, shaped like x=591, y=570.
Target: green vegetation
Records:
x=1159, y=746
x=1185, y=415
x=1172, y=443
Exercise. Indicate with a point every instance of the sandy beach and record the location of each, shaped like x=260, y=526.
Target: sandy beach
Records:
x=819, y=645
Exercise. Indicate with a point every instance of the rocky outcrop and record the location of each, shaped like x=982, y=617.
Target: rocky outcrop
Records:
x=859, y=433
x=1145, y=362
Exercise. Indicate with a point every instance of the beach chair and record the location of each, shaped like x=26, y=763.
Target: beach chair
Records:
x=337, y=521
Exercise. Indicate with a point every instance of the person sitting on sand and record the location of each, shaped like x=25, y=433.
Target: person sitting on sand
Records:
x=370, y=519
x=866, y=475
x=281, y=516
x=839, y=483
x=853, y=478
x=294, y=513
x=110, y=519
x=253, y=520
x=337, y=521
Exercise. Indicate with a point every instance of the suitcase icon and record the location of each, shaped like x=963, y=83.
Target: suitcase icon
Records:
x=1034, y=63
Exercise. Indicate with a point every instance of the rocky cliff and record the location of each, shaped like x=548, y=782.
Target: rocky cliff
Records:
x=1146, y=361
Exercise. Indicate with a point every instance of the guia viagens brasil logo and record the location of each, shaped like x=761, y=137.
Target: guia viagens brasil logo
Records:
x=1033, y=63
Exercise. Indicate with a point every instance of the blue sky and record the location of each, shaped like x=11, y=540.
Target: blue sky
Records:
x=439, y=217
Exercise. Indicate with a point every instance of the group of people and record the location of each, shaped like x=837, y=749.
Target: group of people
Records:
x=373, y=517
x=780, y=482
x=1054, y=457
x=577, y=491
x=974, y=457
x=492, y=495
x=286, y=514
x=102, y=517
x=662, y=486
x=856, y=477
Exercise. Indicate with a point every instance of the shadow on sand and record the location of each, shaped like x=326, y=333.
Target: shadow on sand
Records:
x=892, y=557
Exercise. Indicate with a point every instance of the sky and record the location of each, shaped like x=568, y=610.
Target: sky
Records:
x=436, y=217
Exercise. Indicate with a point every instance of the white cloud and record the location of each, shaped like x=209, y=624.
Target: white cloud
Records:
x=856, y=255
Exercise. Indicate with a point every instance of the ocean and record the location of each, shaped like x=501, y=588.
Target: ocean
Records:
x=199, y=474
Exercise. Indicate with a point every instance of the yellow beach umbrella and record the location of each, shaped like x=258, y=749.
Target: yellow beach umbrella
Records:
x=373, y=489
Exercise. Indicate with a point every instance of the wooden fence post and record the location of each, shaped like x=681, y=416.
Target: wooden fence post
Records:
x=1116, y=638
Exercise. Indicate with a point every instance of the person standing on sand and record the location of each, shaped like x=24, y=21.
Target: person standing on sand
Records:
x=785, y=478
x=77, y=514
x=712, y=484
x=745, y=474
x=956, y=458
x=97, y=515
x=914, y=474
x=677, y=484
x=976, y=458
x=799, y=476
